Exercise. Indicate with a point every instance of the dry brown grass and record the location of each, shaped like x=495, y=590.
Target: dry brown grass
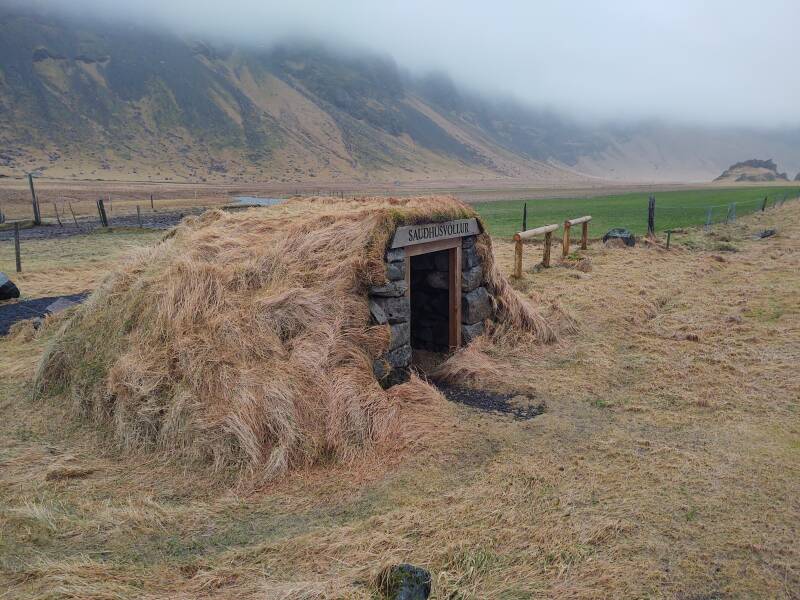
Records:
x=70, y=265
x=242, y=341
x=663, y=467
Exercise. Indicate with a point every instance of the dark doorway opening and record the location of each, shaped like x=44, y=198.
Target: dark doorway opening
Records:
x=430, y=301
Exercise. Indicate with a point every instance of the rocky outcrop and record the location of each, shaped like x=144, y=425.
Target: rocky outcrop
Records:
x=754, y=170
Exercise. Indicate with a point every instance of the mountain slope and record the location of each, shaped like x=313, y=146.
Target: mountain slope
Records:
x=110, y=101
x=84, y=100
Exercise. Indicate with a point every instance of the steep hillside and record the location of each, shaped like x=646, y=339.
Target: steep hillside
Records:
x=98, y=100
x=92, y=101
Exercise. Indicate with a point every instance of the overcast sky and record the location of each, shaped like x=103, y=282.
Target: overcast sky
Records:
x=706, y=61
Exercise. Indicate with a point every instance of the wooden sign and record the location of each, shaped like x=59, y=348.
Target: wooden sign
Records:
x=409, y=235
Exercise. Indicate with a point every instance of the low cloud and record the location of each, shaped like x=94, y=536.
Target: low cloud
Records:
x=710, y=63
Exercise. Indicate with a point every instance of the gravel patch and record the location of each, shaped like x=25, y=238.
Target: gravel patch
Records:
x=520, y=406
x=13, y=312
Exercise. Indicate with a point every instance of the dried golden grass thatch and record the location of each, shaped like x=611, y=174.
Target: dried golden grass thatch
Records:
x=243, y=340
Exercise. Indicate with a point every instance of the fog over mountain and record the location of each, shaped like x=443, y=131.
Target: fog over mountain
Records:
x=248, y=90
x=709, y=62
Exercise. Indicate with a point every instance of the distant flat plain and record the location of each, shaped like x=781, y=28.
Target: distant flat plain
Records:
x=499, y=202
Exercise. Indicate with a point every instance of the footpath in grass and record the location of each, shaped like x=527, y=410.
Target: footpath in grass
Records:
x=673, y=209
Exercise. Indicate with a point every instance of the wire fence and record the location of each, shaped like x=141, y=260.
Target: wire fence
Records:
x=716, y=214
x=671, y=210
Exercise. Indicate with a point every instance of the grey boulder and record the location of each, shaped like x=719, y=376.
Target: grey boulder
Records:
x=470, y=332
x=391, y=289
x=471, y=278
x=393, y=309
x=400, y=336
x=7, y=288
x=476, y=306
x=400, y=357
x=395, y=271
x=406, y=582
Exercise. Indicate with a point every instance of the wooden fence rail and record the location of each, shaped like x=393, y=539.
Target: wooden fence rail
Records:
x=547, y=230
x=584, y=237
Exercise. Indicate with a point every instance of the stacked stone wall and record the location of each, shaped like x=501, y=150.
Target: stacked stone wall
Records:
x=389, y=305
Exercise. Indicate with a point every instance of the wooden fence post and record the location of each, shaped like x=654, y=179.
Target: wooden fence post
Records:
x=37, y=217
x=58, y=218
x=139, y=216
x=651, y=216
x=520, y=236
x=669, y=235
x=584, y=221
x=565, y=241
x=151, y=202
x=74, y=218
x=525, y=217
x=548, y=240
x=102, y=210
x=764, y=204
x=16, y=248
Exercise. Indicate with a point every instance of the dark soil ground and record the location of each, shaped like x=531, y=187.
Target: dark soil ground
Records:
x=519, y=406
x=12, y=312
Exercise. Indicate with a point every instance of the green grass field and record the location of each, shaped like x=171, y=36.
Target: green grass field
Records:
x=673, y=209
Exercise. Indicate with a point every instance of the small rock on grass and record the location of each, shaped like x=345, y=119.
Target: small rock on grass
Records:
x=619, y=237
x=406, y=582
x=614, y=243
x=8, y=290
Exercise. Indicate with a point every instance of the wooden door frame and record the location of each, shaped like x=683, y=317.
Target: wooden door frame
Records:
x=453, y=246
